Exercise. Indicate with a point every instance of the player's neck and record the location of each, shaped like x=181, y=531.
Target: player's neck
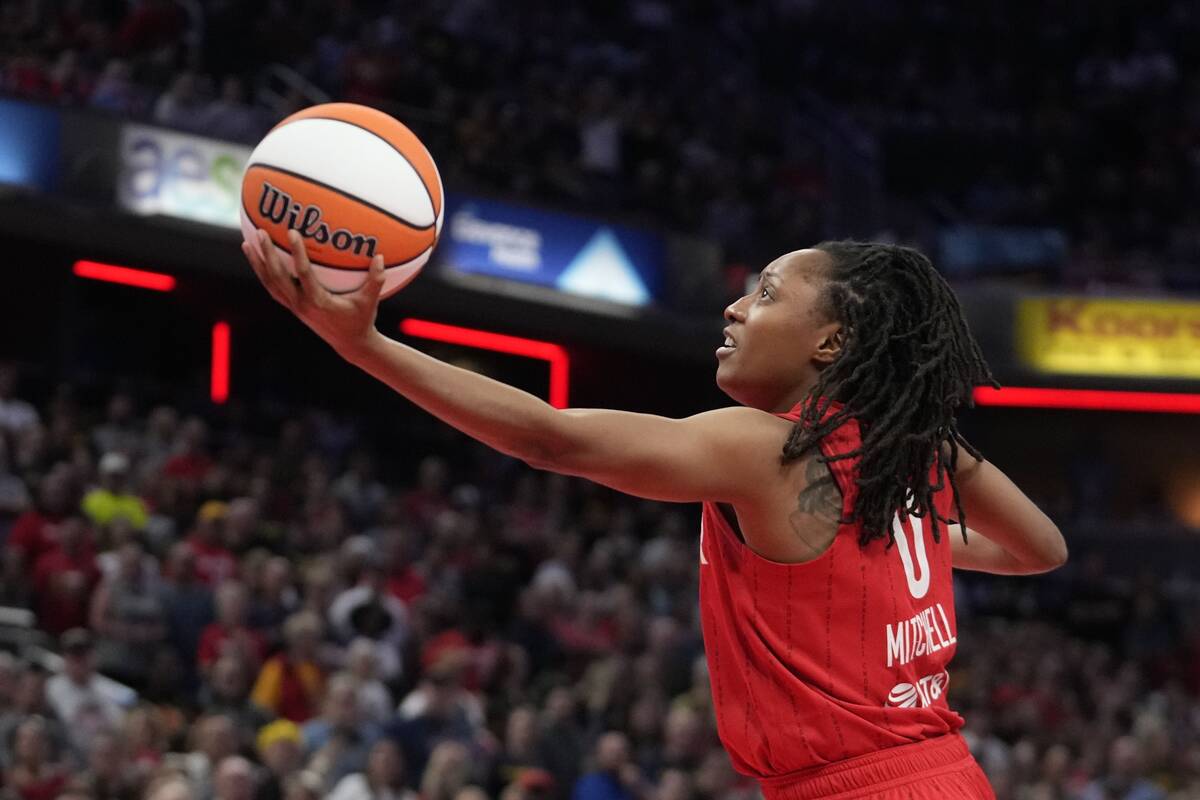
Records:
x=793, y=397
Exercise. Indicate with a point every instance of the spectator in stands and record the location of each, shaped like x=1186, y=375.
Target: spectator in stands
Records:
x=304, y=785
x=338, y=741
x=291, y=683
x=189, y=604
x=144, y=740
x=383, y=778
x=214, y=561
x=227, y=691
x=448, y=773
x=129, y=616
x=28, y=701
x=229, y=634
x=181, y=105
x=34, y=533
x=1123, y=779
x=280, y=749
x=112, y=499
x=243, y=526
x=190, y=461
x=64, y=577
x=230, y=117
x=16, y=415
x=115, y=90
x=213, y=738
x=374, y=700
x=438, y=709
x=275, y=596
x=120, y=432
x=158, y=443
x=519, y=752
x=366, y=609
x=171, y=786
x=79, y=697
x=35, y=773
x=614, y=775
x=14, y=494
x=235, y=779
x=108, y=774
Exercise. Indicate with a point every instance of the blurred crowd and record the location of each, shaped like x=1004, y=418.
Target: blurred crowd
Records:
x=729, y=119
x=227, y=615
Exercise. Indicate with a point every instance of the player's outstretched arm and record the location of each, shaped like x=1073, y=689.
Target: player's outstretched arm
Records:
x=726, y=455
x=1007, y=533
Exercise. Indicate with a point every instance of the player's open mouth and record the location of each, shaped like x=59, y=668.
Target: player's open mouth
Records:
x=728, y=347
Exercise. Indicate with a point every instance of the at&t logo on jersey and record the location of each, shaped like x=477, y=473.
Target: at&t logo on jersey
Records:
x=924, y=693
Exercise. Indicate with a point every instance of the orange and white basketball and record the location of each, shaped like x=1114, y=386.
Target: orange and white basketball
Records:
x=354, y=182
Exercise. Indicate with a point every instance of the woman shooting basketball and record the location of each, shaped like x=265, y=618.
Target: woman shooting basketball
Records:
x=834, y=499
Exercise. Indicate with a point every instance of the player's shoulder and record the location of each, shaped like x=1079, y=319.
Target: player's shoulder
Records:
x=742, y=417
x=746, y=429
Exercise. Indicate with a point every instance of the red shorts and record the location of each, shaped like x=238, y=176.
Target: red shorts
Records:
x=934, y=769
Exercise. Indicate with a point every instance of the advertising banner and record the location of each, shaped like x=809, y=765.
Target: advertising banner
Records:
x=180, y=175
x=1110, y=337
x=571, y=254
x=29, y=145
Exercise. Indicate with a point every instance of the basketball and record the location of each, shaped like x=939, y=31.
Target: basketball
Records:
x=354, y=182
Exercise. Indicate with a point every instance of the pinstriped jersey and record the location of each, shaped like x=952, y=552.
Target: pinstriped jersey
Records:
x=833, y=658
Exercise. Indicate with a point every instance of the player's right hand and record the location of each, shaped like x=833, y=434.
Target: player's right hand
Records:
x=345, y=321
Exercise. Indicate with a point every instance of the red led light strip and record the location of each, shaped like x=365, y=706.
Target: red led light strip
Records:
x=1088, y=399
x=555, y=355
x=219, y=382
x=126, y=276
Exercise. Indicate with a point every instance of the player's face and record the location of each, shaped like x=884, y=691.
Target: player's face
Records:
x=778, y=336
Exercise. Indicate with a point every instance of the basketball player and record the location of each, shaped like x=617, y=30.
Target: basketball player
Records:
x=834, y=501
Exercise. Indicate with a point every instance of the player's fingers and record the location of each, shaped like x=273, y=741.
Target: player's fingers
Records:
x=265, y=276
x=375, y=278
x=254, y=256
x=281, y=279
x=308, y=282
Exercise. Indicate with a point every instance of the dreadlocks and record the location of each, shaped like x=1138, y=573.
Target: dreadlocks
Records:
x=908, y=362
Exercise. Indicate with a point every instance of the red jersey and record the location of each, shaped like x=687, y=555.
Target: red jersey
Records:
x=834, y=658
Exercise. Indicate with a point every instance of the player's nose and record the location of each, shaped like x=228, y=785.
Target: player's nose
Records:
x=735, y=312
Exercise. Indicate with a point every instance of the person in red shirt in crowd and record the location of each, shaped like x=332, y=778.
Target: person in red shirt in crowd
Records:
x=64, y=577
x=191, y=462
x=430, y=498
x=32, y=533
x=404, y=581
x=151, y=25
x=214, y=561
x=230, y=631
x=33, y=774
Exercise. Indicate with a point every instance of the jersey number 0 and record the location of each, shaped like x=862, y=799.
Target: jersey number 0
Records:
x=918, y=586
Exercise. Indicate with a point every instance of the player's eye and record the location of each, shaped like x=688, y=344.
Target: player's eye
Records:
x=764, y=292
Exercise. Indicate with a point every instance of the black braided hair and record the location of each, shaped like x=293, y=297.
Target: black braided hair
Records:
x=908, y=363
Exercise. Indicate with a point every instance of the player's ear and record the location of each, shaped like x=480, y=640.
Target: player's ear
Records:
x=829, y=348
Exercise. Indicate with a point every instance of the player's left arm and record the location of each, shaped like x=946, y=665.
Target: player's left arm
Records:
x=977, y=553
x=1007, y=534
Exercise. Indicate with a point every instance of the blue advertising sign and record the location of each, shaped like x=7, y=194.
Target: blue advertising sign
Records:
x=571, y=254
x=29, y=154
x=979, y=249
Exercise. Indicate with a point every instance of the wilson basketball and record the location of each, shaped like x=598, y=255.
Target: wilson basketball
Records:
x=354, y=182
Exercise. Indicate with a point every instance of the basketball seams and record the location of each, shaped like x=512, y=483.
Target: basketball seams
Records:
x=432, y=203
x=343, y=193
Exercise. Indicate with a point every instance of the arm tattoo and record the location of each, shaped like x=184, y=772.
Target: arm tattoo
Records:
x=818, y=506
